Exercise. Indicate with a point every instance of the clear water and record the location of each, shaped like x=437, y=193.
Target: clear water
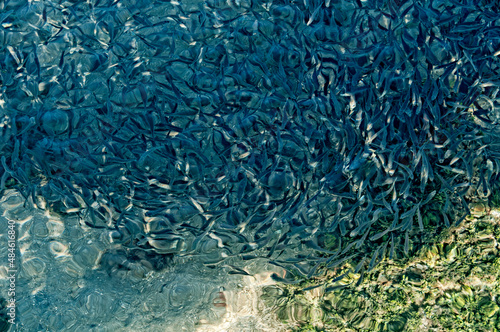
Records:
x=63, y=284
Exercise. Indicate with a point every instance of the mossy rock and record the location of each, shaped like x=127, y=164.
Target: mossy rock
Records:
x=450, y=284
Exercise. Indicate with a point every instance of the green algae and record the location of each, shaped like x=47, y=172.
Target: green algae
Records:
x=450, y=283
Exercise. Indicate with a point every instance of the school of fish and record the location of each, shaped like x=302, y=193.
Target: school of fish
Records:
x=307, y=133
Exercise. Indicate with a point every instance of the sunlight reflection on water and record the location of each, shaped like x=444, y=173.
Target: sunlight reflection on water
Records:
x=63, y=285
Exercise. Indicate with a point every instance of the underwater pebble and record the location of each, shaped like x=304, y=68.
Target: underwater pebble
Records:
x=157, y=302
x=33, y=267
x=86, y=256
x=19, y=214
x=59, y=249
x=98, y=305
x=71, y=268
x=39, y=229
x=11, y=200
x=55, y=227
x=181, y=295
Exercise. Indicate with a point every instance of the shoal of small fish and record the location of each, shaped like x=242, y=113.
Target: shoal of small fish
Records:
x=307, y=133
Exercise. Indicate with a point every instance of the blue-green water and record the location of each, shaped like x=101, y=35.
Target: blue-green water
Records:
x=165, y=150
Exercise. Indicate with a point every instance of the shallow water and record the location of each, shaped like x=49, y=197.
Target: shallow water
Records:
x=63, y=286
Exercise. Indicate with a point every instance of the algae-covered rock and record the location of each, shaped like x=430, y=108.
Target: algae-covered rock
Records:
x=450, y=284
